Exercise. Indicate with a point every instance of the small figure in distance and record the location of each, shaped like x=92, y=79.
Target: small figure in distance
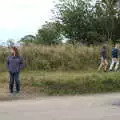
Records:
x=115, y=58
x=104, y=62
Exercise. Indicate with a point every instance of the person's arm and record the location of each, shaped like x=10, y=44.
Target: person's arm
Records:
x=7, y=63
x=21, y=63
x=118, y=53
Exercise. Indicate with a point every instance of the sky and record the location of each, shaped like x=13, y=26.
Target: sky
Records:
x=22, y=17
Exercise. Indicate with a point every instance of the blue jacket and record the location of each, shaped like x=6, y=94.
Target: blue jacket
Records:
x=115, y=53
x=14, y=64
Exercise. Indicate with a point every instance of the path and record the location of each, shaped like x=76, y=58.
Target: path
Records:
x=94, y=107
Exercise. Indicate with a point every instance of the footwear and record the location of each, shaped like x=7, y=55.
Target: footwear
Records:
x=11, y=94
x=105, y=70
x=16, y=93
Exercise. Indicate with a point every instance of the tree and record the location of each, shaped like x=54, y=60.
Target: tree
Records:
x=107, y=19
x=87, y=23
x=10, y=43
x=77, y=19
x=28, y=39
x=50, y=33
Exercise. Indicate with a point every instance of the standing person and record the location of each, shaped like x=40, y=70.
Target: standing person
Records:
x=14, y=65
x=115, y=58
x=104, y=62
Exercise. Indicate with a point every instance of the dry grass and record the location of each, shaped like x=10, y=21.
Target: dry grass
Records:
x=60, y=57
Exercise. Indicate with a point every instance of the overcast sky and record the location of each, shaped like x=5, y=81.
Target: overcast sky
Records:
x=22, y=17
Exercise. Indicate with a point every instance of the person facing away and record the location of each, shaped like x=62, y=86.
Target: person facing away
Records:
x=14, y=65
x=104, y=62
x=115, y=58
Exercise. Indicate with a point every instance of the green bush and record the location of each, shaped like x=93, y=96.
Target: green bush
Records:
x=75, y=83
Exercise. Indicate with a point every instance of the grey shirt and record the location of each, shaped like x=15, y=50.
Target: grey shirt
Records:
x=103, y=53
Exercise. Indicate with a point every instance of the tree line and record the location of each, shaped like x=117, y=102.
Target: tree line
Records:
x=80, y=21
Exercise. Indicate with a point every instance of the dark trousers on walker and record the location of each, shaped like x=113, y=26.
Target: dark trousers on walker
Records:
x=14, y=78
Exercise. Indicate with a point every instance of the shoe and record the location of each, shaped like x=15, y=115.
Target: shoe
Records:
x=11, y=94
x=105, y=70
x=17, y=93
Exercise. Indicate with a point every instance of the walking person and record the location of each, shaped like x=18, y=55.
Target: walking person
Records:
x=14, y=65
x=115, y=58
x=104, y=62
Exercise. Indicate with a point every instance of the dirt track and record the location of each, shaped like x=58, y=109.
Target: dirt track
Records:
x=94, y=107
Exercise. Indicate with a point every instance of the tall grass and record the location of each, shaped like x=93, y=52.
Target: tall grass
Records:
x=60, y=57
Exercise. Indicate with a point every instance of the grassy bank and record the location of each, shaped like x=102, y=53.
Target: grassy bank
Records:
x=60, y=57
x=63, y=61
x=68, y=83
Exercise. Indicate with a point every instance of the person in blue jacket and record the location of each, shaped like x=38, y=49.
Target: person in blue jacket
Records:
x=115, y=58
x=14, y=65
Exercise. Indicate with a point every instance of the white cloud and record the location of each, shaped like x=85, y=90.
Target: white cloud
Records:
x=20, y=17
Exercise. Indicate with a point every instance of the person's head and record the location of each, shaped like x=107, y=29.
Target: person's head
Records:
x=104, y=46
x=116, y=46
x=14, y=51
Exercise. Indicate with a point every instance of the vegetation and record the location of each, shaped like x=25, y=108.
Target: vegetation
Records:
x=81, y=21
x=66, y=83
x=83, y=24
x=50, y=33
x=62, y=70
x=56, y=57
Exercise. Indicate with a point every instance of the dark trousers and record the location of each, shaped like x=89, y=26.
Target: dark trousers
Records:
x=14, y=77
